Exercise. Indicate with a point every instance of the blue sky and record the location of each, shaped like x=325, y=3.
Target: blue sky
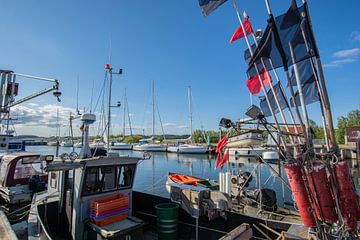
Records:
x=166, y=41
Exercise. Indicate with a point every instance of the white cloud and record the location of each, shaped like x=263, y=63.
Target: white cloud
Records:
x=343, y=57
x=347, y=53
x=355, y=35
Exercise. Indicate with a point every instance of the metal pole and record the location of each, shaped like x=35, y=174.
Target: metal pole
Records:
x=190, y=111
x=109, y=111
x=36, y=78
x=258, y=73
x=326, y=96
x=301, y=96
x=153, y=109
x=273, y=91
x=321, y=98
x=124, y=118
x=291, y=90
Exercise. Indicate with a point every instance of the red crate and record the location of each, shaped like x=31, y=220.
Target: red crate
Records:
x=107, y=203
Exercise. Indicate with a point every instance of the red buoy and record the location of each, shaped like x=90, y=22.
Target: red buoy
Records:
x=294, y=174
x=318, y=183
x=347, y=195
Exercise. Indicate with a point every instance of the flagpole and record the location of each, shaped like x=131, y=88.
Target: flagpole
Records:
x=297, y=111
x=321, y=98
x=301, y=96
x=258, y=73
x=282, y=92
x=322, y=79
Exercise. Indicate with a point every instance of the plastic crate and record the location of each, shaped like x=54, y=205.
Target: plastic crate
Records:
x=107, y=212
x=109, y=220
x=104, y=204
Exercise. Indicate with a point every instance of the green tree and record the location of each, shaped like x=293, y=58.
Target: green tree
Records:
x=352, y=119
x=132, y=139
x=318, y=131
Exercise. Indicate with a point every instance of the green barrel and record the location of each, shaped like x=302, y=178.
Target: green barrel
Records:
x=167, y=220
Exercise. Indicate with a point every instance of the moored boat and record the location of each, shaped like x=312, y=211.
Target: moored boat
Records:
x=243, y=140
x=121, y=146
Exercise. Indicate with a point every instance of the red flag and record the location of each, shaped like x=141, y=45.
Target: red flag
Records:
x=217, y=162
x=254, y=84
x=224, y=159
x=239, y=33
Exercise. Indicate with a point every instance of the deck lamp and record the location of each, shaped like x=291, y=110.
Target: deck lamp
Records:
x=254, y=112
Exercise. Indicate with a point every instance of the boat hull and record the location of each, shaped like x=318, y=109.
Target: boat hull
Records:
x=121, y=147
x=188, y=149
x=150, y=148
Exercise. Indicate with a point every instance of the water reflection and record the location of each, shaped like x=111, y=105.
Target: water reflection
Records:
x=151, y=174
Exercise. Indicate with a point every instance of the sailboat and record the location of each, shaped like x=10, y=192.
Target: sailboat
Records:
x=182, y=147
x=150, y=144
x=123, y=145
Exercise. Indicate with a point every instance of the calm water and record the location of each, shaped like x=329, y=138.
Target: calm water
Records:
x=151, y=174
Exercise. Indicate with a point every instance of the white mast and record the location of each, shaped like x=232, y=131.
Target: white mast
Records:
x=190, y=112
x=124, y=114
x=153, y=109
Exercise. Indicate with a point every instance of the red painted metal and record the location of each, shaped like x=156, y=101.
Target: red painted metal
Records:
x=318, y=183
x=347, y=195
x=293, y=171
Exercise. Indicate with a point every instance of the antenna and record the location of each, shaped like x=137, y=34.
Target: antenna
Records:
x=77, y=96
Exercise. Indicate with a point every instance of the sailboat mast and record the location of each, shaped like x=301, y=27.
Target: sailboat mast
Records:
x=153, y=109
x=190, y=110
x=124, y=114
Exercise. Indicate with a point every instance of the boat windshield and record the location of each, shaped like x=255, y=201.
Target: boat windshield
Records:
x=109, y=178
x=27, y=167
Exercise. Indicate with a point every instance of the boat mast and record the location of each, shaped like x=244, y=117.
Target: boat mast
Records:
x=153, y=109
x=124, y=114
x=190, y=112
x=109, y=110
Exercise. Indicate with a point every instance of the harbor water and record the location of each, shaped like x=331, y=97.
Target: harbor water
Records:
x=151, y=175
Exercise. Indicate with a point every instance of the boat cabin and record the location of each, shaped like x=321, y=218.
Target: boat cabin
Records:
x=21, y=174
x=81, y=194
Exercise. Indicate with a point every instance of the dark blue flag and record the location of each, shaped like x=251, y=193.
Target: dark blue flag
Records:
x=207, y=6
x=280, y=96
x=310, y=93
x=306, y=73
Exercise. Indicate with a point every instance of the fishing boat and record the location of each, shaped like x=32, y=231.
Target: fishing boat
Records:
x=245, y=140
x=247, y=151
x=21, y=175
x=79, y=204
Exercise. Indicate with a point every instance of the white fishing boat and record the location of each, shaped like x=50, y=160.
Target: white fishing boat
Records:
x=52, y=143
x=248, y=139
x=247, y=152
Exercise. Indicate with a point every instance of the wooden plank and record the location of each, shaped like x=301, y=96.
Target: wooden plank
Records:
x=241, y=232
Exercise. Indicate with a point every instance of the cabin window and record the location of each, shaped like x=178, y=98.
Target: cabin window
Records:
x=109, y=178
x=26, y=170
